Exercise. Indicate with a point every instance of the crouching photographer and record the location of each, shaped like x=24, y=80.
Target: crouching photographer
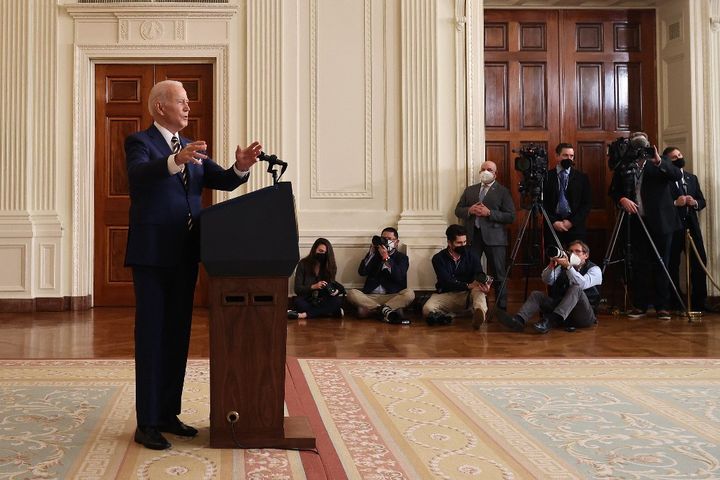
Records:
x=318, y=294
x=574, y=293
x=385, y=292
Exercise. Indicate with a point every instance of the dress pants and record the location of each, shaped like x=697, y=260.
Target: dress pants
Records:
x=649, y=283
x=327, y=307
x=372, y=301
x=455, y=302
x=574, y=307
x=496, y=263
x=163, y=316
x=698, y=292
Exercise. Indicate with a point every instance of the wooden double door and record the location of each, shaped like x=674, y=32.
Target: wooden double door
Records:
x=580, y=76
x=121, y=108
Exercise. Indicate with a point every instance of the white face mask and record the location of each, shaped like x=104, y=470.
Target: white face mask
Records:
x=391, y=245
x=486, y=177
x=574, y=260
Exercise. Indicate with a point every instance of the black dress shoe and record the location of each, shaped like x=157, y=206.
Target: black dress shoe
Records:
x=513, y=322
x=150, y=437
x=544, y=325
x=176, y=427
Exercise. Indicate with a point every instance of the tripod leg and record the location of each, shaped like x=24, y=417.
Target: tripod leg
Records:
x=662, y=264
x=613, y=240
x=513, y=255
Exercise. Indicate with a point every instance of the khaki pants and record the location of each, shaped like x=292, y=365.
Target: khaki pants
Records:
x=373, y=301
x=455, y=302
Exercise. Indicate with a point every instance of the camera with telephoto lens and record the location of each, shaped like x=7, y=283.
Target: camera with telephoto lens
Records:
x=532, y=162
x=553, y=251
x=377, y=240
x=483, y=277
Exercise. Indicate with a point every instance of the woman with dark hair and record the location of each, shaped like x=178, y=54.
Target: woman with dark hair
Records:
x=318, y=294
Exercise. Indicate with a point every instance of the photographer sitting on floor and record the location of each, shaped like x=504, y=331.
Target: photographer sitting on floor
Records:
x=574, y=293
x=385, y=291
x=461, y=282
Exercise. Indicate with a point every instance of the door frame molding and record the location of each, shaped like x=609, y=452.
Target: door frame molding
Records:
x=83, y=152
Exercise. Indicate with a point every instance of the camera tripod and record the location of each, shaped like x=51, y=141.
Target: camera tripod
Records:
x=628, y=256
x=536, y=208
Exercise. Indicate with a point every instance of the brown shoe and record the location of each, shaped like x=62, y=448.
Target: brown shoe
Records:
x=478, y=318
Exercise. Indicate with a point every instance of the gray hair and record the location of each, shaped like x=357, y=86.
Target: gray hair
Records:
x=158, y=93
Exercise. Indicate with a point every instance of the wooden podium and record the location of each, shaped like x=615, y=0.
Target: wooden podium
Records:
x=249, y=248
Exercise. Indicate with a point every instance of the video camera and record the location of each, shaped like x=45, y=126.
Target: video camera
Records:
x=623, y=154
x=532, y=161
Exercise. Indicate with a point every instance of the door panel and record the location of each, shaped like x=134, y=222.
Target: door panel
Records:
x=579, y=76
x=121, y=94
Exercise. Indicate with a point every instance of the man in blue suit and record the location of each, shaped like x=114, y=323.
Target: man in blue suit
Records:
x=166, y=174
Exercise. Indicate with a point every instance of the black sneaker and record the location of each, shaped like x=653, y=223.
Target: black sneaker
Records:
x=635, y=313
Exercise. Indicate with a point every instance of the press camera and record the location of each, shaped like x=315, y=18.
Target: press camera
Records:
x=532, y=162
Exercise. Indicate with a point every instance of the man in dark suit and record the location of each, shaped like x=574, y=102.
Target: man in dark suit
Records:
x=689, y=200
x=652, y=200
x=566, y=198
x=385, y=270
x=166, y=174
x=486, y=208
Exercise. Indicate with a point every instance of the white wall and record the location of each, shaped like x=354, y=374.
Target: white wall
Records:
x=376, y=105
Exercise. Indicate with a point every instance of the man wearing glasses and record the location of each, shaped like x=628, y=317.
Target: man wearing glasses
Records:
x=574, y=294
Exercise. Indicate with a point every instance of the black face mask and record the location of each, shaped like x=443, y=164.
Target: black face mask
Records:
x=460, y=250
x=321, y=257
x=566, y=163
x=680, y=162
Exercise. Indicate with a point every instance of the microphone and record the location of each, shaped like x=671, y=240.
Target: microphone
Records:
x=271, y=159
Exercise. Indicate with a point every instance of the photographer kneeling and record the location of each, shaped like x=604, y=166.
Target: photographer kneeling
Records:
x=385, y=291
x=573, y=295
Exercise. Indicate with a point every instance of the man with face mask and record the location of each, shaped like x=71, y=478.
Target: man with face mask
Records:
x=385, y=291
x=652, y=200
x=566, y=197
x=461, y=283
x=574, y=294
x=689, y=200
x=486, y=208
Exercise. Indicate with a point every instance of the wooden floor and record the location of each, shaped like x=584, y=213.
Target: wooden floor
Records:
x=108, y=333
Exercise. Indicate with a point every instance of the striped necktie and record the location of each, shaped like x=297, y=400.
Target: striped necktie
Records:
x=176, y=147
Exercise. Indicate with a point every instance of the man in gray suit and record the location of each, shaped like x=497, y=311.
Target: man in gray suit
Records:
x=486, y=208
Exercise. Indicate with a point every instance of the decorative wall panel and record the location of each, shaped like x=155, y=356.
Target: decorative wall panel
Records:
x=590, y=96
x=533, y=96
x=496, y=94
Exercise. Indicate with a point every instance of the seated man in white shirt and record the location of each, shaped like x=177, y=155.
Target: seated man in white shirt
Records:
x=574, y=294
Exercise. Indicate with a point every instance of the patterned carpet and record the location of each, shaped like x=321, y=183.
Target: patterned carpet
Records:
x=384, y=419
x=75, y=420
x=518, y=419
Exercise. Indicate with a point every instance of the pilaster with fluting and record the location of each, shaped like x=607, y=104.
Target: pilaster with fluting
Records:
x=709, y=107
x=419, y=90
x=264, y=76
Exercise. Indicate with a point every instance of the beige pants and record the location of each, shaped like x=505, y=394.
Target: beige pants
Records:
x=455, y=302
x=372, y=301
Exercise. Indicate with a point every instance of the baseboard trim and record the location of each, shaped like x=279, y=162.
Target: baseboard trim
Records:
x=45, y=304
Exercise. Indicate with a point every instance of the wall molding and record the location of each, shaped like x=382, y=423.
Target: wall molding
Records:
x=89, y=50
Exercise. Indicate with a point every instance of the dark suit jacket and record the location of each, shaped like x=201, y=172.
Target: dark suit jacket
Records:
x=660, y=214
x=689, y=215
x=392, y=281
x=502, y=212
x=158, y=234
x=578, y=196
